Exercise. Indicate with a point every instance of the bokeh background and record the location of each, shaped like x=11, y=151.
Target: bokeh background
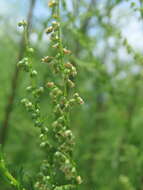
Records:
x=106, y=38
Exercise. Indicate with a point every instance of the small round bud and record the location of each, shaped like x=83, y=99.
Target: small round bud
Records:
x=50, y=84
x=79, y=180
x=57, y=154
x=20, y=64
x=52, y=3
x=44, y=130
x=28, y=104
x=43, y=144
x=56, y=45
x=41, y=136
x=72, y=101
x=22, y=23
x=70, y=84
x=49, y=30
x=37, y=111
x=67, y=71
x=68, y=133
x=33, y=73
x=73, y=71
x=24, y=100
x=29, y=88
x=40, y=90
x=30, y=50
x=80, y=100
x=76, y=95
x=55, y=16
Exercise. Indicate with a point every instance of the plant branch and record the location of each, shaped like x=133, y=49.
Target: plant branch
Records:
x=14, y=83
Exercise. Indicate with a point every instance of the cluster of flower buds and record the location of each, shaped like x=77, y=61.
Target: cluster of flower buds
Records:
x=63, y=98
x=35, y=92
x=24, y=63
x=57, y=140
x=27, y=67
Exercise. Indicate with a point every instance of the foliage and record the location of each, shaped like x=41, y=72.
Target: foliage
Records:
x=102, y=139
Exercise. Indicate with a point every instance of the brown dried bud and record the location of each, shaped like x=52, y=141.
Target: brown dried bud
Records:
x=47, y=59
x=66, y=51
x=50, y=84
x=68, y=65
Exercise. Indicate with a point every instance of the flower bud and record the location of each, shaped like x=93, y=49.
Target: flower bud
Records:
x=22, y=23
x=47, y=59
x=76, y=95
x=68, y=133
x=33, y=73
x=52, y=3
x=68, y=65
x=30, y=50
x=43, y=144
x=70, y=83
x=72, y=101
x=24, y=100
x=55, y=16
x=56, y=45
x=40, y=90
x=66, y=51
x=80, y=100
x=79, y=180
x=50, y=84
x=29, y=88
x=49, y=30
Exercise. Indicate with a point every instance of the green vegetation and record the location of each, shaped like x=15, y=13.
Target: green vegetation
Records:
x=51, y=138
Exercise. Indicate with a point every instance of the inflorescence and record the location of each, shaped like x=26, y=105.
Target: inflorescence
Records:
x=57, y=140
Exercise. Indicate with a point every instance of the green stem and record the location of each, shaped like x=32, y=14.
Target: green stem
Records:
x=7, y=175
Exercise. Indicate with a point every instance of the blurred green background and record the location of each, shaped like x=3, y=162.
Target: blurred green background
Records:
x=105, y=37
